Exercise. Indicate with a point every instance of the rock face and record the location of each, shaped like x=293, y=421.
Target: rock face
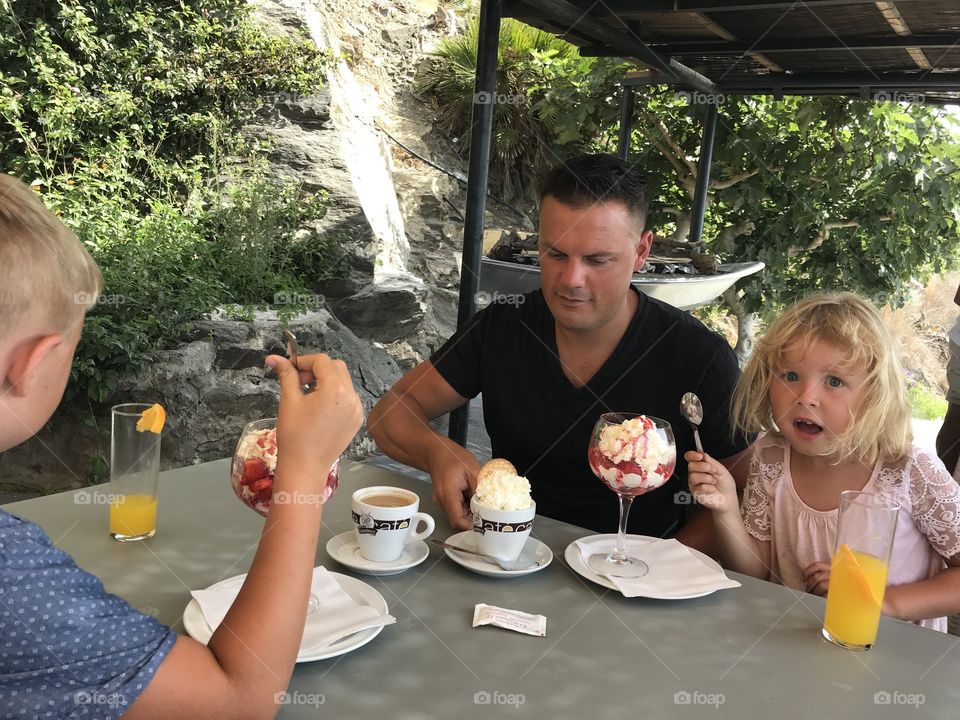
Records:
x=211, y=386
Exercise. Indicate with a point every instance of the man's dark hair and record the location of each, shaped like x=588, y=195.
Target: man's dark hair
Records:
x=588, y=179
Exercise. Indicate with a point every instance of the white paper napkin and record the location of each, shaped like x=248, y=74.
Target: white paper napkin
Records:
x=675, y=572
x=337, y=616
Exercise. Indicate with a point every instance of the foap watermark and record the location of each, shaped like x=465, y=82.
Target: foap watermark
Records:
x=485, y=98
x=283, y=497
x=298, y=299
x=484, y=697
x=299, y=698
x=685, y=497
x=95, y=497
x=89, y=299
x=885, y=697
x=112, y=700
x=696, y=97
x=482, y=298
x=898, y=96
x=686, y=697
x=284, y=97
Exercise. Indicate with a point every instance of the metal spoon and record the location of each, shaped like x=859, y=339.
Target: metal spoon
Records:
x=692, y=410
x=293, y=353
x=505, y=564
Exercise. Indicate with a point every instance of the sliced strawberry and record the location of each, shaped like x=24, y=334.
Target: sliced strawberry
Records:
x=261, y=484
x=254, y=469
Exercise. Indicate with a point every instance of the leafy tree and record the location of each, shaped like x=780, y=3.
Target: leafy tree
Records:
x=829, y=192
x=549, y=101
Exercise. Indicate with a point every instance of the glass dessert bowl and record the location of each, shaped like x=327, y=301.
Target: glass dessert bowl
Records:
x=632, y=454
x=255, y=463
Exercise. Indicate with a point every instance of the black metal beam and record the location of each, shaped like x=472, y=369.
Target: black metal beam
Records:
x=722, y=47
x=626, y=121
x=610, y=8
x=703, y=174
x=481, y=131
x=867, y=81
x=566, y=14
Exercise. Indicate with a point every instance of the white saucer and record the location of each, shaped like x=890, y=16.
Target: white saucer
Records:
x=196, y=624
x=533, y=550
x=344, y=549
x=575, y=561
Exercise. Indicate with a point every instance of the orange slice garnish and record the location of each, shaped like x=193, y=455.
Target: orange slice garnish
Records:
x=848, y=557
x=152, y=419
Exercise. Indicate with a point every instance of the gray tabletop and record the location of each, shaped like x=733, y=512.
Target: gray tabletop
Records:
x=754, y=651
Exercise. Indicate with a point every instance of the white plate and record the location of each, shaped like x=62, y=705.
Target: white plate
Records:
x=197, y=628
x=344, y=549
x=575, y=561
x=533, y=550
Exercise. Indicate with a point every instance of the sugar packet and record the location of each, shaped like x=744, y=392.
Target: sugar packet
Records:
x=515, y=620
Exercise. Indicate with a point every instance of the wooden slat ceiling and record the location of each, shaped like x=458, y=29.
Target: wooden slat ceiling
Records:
x=815, y=44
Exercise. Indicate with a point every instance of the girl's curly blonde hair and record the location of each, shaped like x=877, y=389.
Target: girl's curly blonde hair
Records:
x=880, y=424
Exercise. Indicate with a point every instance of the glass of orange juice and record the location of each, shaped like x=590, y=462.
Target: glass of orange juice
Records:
x=866, y=525
x=134, y=470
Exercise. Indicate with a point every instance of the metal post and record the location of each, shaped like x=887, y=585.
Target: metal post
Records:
x=485, y=90
x=703, y=172
x=626, y=121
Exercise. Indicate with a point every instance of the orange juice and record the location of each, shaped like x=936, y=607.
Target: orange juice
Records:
x=133, y=516
x=854, y=598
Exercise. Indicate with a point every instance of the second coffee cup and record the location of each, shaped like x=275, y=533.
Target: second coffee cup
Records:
x=385, y=521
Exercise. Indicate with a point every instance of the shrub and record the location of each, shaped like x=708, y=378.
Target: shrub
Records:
x=125, y=117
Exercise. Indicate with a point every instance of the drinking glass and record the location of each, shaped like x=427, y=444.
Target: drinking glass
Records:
x=866, y=524
x=134, y=471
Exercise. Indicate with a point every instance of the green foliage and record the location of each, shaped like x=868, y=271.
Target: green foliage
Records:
x=125, y=118
x=924, y=403
x=164, y=270
x=842, y=194
x=549, y=104
x=831, y=193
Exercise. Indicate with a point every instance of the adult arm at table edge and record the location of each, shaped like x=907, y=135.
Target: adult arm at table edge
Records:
x=400, y=425
x=249, y=659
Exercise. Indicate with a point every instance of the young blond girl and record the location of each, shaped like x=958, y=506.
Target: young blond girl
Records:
x=826, y=388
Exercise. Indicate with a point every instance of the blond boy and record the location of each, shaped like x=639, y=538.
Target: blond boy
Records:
x=63, y=639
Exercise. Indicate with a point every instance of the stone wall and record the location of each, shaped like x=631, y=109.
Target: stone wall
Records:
x=211, y=386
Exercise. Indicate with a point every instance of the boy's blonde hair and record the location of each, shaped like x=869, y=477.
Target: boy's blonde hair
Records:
x=42, y=263
x=880, y=425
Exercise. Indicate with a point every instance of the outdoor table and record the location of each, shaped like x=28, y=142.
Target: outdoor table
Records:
x=750, y=652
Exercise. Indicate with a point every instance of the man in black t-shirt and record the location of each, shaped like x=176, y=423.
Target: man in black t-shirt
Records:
x=550, y=362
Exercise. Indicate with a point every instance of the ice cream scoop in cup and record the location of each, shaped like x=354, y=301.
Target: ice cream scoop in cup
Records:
x=632, y=454
x=503, y=511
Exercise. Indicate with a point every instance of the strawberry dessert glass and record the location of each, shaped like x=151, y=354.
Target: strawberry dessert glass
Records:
x=252, y=472
x=632, y=454
x=254, y=464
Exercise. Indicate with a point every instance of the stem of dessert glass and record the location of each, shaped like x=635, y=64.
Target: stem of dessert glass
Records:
x=620, y=553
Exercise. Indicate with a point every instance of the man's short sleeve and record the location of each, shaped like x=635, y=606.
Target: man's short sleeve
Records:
x=68, y=649
x=459, y=359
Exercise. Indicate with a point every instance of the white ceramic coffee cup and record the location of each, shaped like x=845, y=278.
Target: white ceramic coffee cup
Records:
x=383, y=531
x=501, y=533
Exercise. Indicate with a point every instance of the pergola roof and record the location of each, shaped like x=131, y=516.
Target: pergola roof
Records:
x=809, y=47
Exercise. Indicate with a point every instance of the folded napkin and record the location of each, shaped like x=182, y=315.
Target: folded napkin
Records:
x=337, y=615
x=675, y=572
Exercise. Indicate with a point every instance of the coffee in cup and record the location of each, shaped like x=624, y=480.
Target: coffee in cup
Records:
x=385, y=521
